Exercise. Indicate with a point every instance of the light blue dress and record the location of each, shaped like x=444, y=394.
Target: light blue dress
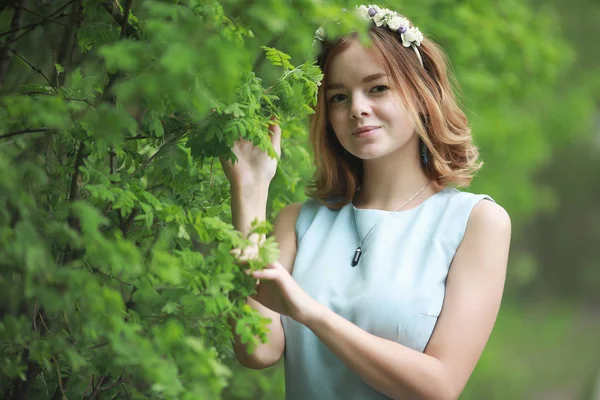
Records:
x=395, y=292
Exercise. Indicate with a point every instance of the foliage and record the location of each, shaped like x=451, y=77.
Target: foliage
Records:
x=116, y=273
x=117, y=276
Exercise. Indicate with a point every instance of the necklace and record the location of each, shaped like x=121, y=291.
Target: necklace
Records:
x=358, y=252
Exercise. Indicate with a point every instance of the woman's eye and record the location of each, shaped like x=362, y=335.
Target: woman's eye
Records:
x=336, y=98
x=379, y=88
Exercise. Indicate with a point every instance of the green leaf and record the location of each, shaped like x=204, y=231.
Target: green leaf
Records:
x=278, y=58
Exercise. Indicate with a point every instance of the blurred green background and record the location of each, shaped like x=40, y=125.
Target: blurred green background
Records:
x=529, y=72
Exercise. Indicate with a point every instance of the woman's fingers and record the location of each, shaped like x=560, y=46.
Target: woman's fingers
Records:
x=258, y=239
x=250, y=253
x=275, y=136
x=275, y=265
x=269, y=274
x=246, y=254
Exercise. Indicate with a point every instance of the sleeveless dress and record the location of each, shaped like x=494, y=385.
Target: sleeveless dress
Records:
x=395, y=292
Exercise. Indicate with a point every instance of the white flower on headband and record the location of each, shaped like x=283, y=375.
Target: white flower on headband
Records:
x=382, y=17
x=393, y=21
x=376, y=8
x=363, y=12
x=396, y=22
x=379, y=18
x=412, y=35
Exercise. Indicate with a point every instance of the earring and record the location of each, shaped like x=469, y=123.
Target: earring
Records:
x=424, y=153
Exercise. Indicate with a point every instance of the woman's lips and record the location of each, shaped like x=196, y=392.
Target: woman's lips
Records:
x=365, y=131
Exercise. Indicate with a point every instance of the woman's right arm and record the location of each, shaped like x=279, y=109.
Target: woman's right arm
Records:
x=250, y=178
x=247, y=204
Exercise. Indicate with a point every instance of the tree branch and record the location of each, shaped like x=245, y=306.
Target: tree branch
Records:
x=22, y=132
x=59, y=393
x=90, y=384
x=4, y=4
x=96, y=389
x=112, y=6
x=86, y=101
x=76, y=179
x=44, y=18
x=125, y=225
x=113, y=154
x=20, y=29
x=15, y=25
x=153, y=156
x=116, y=383
x=68, y=44
x=33, y=67
x=139, y=137
x=125, y=23
x=113, y=160
x=22, y=388
x=126, y=391
x=74, y=193
x=97, y=271
x=31, y=27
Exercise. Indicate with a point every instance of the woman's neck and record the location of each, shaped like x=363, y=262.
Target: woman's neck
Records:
x=385, y=186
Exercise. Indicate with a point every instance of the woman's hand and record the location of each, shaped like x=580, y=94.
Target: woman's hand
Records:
x=253, y=166
x=278, y=291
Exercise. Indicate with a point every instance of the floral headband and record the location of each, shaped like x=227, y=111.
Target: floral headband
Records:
x=410, y=36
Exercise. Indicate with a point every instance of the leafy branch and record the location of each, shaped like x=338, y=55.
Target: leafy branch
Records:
x=67, y=98
x=125, y=21
x=113, y=8
x=33, y=67
x=153, y=156
x=59, y=393
x=68, y=44
x=96, y=388
x=29, y=28
x=22, y=132
x=44, y=18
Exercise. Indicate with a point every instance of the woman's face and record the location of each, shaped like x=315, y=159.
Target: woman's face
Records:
x=364, y=108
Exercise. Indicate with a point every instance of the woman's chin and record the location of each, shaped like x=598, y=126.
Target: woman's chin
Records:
x=369, y=154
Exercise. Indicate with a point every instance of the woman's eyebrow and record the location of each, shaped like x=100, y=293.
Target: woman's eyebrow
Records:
x=366, y=79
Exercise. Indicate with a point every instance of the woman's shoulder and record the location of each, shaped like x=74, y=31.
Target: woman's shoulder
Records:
x=465, y=200
x=490, y=215
x=305, y=213
x=481, y=210
x=331, y=203
x=293, y=213
x=291, y=210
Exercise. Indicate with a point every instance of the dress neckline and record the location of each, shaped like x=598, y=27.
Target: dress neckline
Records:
x=444, y=190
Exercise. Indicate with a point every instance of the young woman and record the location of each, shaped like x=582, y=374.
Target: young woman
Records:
x=389, y=281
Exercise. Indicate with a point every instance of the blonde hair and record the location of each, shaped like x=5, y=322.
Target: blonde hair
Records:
x=427, y=93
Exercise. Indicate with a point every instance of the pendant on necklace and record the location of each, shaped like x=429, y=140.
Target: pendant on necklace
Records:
x=357, y=255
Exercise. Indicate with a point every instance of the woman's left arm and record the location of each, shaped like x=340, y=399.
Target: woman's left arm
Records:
x=473, y=293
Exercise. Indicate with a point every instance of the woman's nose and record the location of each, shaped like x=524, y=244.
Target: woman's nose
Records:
x=360, y=107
